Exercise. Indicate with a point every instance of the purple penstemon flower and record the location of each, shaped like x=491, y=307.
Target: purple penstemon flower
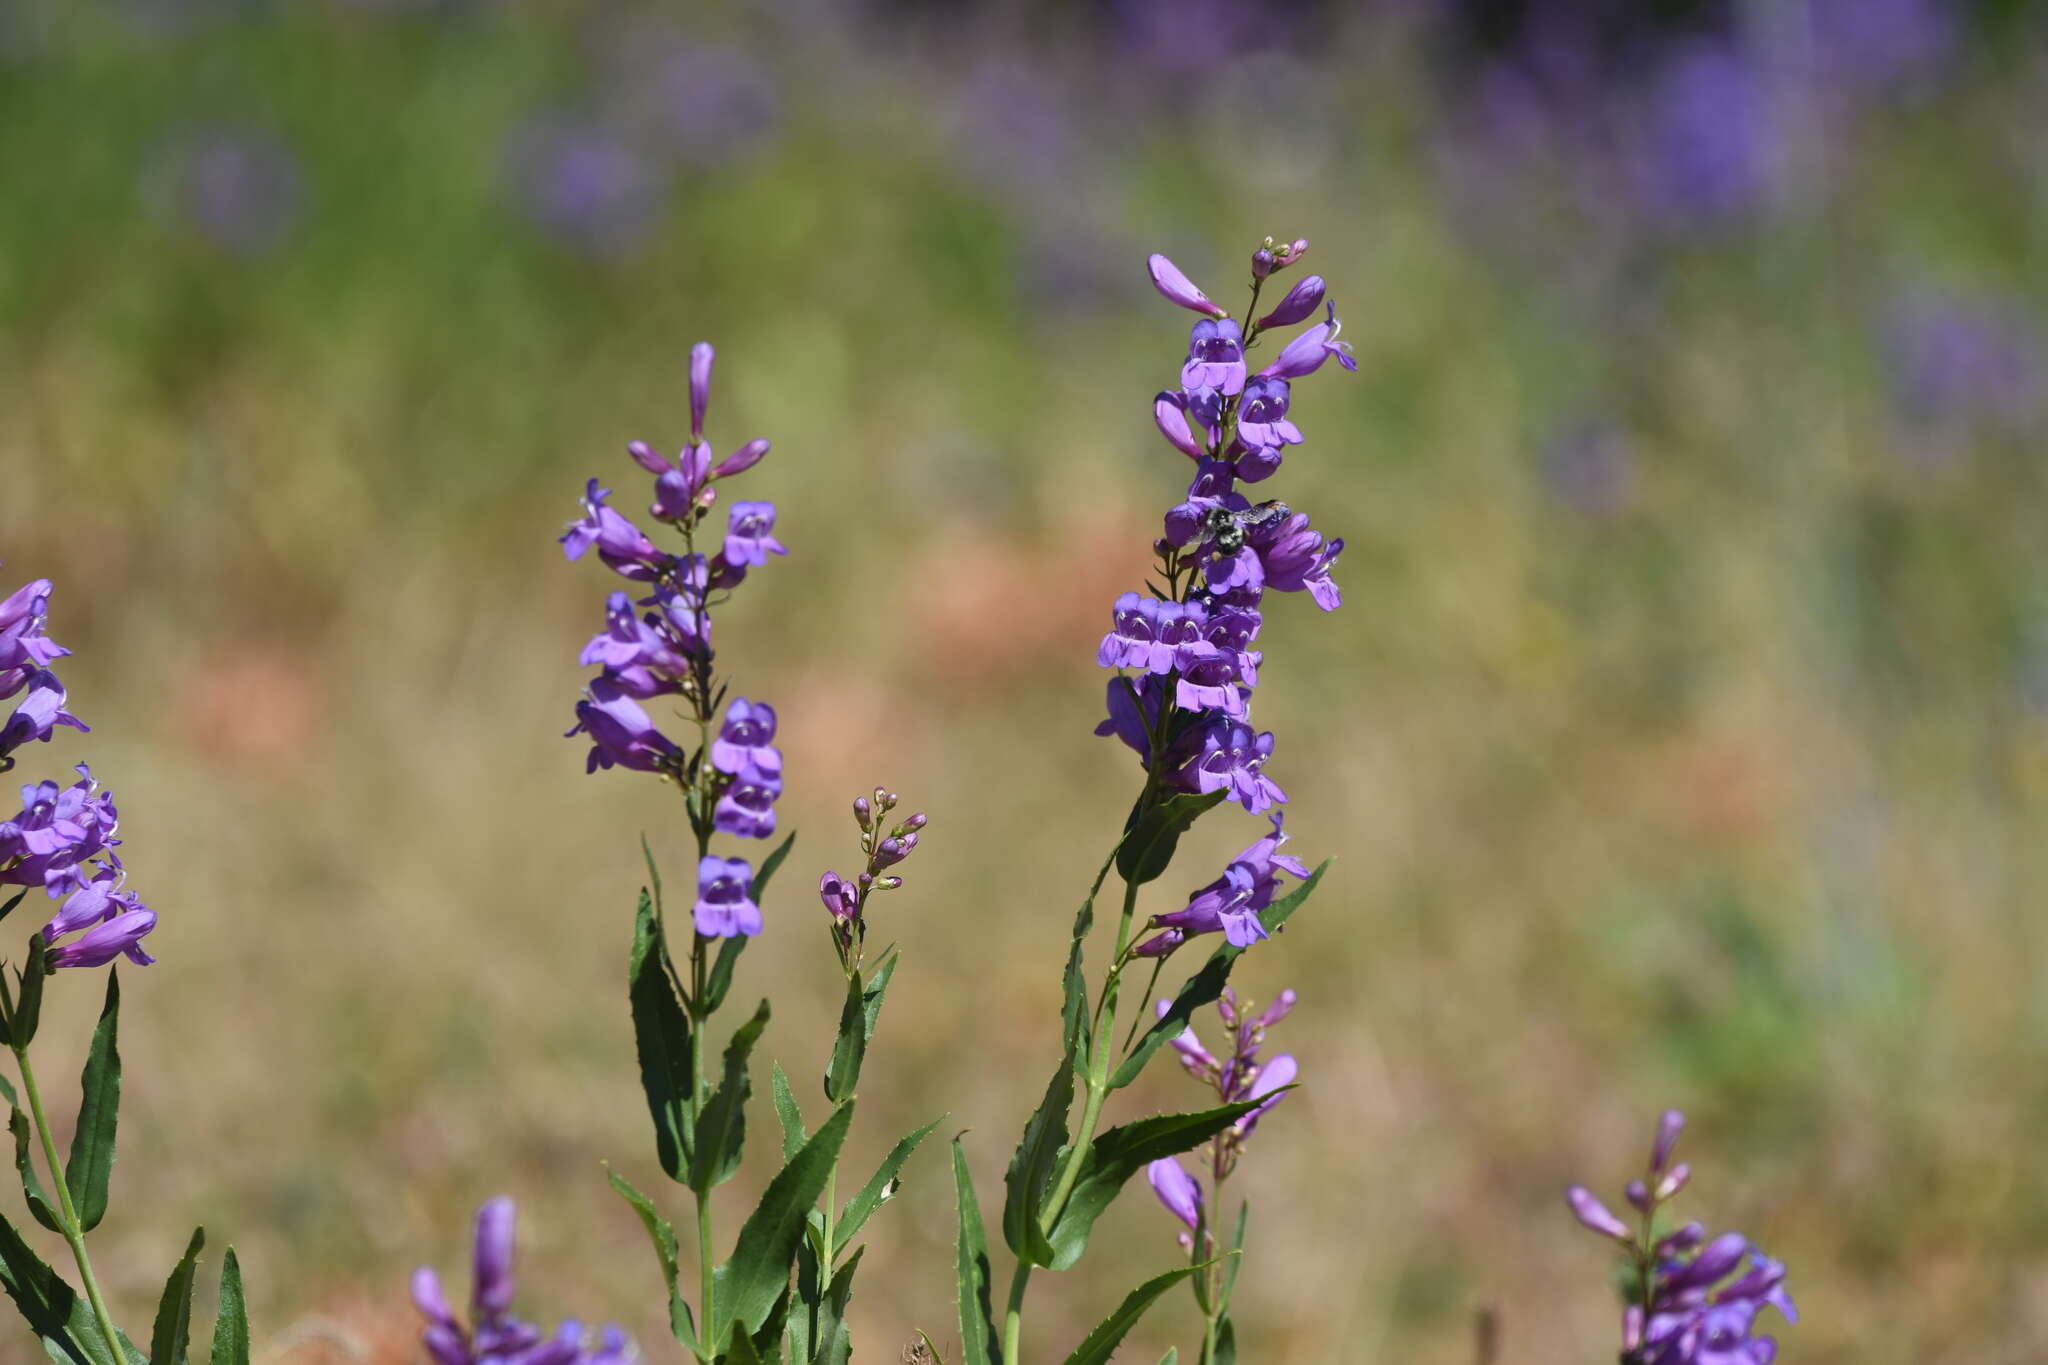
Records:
x=1170, y=415
x=747, y=739
x=1307, y=352
x=1239, y=1076
x=1297, y=305
x=1263, y=426
x=621, y=733
x=1180, y=1192
x=1149, y=634
x=679, y=487
x=644, y=655
x=115, y=922
x=1233, y=901
x=747, y=806
x=1213, y=488
x=1178, y=288
x=24, y=648
x=493, y=1336
x=1215, y=358
x=725, y=898
x=624, y=547
x=1293, y=558
x=749, y=535
x=72, y=827
x=1691, y=1300
x=37, y=715
x=1134, y=707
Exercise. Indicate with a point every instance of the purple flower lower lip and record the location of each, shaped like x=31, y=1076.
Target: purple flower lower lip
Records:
x=747, y=737
x=749, y=536
x=725, y=899
x=1215, y=357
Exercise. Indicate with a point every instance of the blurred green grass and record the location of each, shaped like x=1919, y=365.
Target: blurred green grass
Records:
x=1725, y=795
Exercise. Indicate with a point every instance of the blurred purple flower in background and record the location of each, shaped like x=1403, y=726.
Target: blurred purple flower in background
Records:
x=583, y=184
x=1589, y=466
x=493, y=1336
x=1707, y=151
x=1871, y=47
x=238, y=188
x=700, y=105
x=1961, y=369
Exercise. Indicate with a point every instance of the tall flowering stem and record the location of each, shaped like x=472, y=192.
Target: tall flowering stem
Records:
x=1186, y=662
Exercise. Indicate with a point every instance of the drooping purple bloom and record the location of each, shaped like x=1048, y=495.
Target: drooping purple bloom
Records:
x=749, y=534
x=71, y=826
x=1262, y=422
x=644, y=655
x=1170, y=415
x=1215, y=357
x=1307, y=352
x=36, y=716
x=1180, y=1192
x=725, y=899
x=1134, y=706
x=1212, y=679
x=120, y=934
x=841, y=897
x=1293, y=558
x=1150, y=634
x=493, y=1336
x=1231, y=755
x=1178, y=288
x=747, y=739
x=1213, y=488
x=624, y=547
x=24, y=648
x=621, y=734
x=1233, y=901
x=1299, y=303
x=747, y=807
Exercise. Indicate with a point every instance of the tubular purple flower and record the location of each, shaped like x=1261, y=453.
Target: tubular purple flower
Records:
x=1178, y=288
x=123, y=934
x=1169, y=414
x=1674, y=1180
x=1283, y=1003
x=620, y=732
x=1262, y=420
x=725, y=899
x=700, y=386
x=1134, y=707
x=1231, y=756
x=841, y=899
x=1669, y=1125
x=1149, y=634
x=1177, y=1190
x=1307, y=352
x=37, y=715
x=743, y=459
x=1161, y=944
x=1269, y=1085
x=623, y=547
x=495, y=1225
x=747, y=808
x=747, y=738
x=1299, y=303
x=24, y=648
x=1215, y=358
x=1595, y=1215
x=749, y=534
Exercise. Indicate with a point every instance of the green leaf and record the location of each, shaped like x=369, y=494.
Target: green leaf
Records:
x=653, y=873
x=231, y=1326
x=719, y=982
x=661, y=1035
x=28, y=1013
x=1031, y=1167
x=1120, y=1153
x=12, y=901
x=742, y=1352
x=91, y=1167
x=32, y=1190
x=1244, y=1213
x=722, y=1126
x=748, y=1285
x=834, y=1337
x=880, y=1187
x=55, y=1312
x=666, y=1251
x=1099, y=1345
x=769, y=864
x=978, y=1342
x=1155, y=833
x=172, y=1335
x=857, y=1019
x=1172, y=1355
x=1074, y=983
x=767, y=1341
x=787, y=1113
x=1226, y=1342
x=1206, y=985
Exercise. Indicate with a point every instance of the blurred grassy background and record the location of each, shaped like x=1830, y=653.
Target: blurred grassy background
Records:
x=1683, y=738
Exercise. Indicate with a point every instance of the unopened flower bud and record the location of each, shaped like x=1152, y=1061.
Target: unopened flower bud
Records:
x=1300, y=303
x=1226, y=1007
x=916, y=822
x=1672, y=1183
x=889, y=851
x=1594, y=1214
x=745, y=458
x=863, y=811
x=1638, y=1195
x=866, y=879
x=841, y=900
x=1282, y=1005
x=1669, y=1125
x=889, y=883
x=1262, y=262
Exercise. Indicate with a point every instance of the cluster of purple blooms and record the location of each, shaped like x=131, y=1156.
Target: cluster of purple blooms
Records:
x=1694, y=1301
x=846, y=901
x=1240, y=1077
x=660, y=645
x=1185, y=652
x=493, y=1336
x=62, y=839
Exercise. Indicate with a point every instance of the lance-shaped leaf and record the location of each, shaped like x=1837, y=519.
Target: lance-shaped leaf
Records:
x=818, y=1333
x=770, y=864
x=1171, y=1357
x=857, y=1019
x=172, y=1335
x=719, y=982
x=1226, y=1341
x=39, y=1203
x=1244, y=1213
x=91, y=1167
x=1074, y=984
x=787, y=1113
x=1154, y=833
x=834, y=1337
x=1099, y=1345
x=747, y=1286
x=767, y=1339
x=978, y=1343
x=26, y=1013
x=231, y=1324
x=1120, y=1153
x=1031, y=1167
x=880, y=1188
x=666, y=1252
x=12, y=901
x=1206, y=986
x=722, y=1127
x=54, y=1312
x=661, y=1035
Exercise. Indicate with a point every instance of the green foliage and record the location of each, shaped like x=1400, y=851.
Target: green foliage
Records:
x=1153, y=833
x=39, y=1204
x=12, y=901
x=857, y=1019
x=1206, y=986
x=90, y=1169
x=231, y=1324
x=667, y=1252
x=787, y=1113
x=1101, y=1344
x=880, y=1187
x=1120, y=1153
x=1032, y=1166
x=171, y=1337
x=722, y=1126
x=661, y=1035
x=978, y=1342
x=748, y=1286
x=59, y=1316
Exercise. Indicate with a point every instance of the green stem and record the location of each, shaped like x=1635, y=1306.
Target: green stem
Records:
x=1013, y=1316
x=1209, y=1340
x=68, y=1213
x=699, y=1085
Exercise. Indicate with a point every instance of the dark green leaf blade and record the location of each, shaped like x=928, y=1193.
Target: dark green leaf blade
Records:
x=12, y=901
x=787, y=1113
x=722, y=1127
x=1149, y=846
x=769, y=865
x=666, y=1251
x=720, y=980
x=1120, y=1153
x=54, y=1311
x=834, y=1338
x=748, y=1285
x=32, y=1190
x=172, y=1334
x=1206, y=986
x=1031, y=1167
x=231, y=1326
x=857, y=1020
x=1099, y=1345
x=881, y=1185
x=90, y=1170
x=978, y=1343
x=661, y=1036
